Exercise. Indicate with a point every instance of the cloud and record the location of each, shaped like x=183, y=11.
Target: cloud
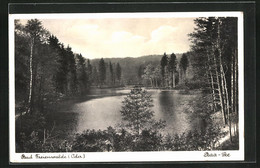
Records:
x=96, y=38
x=163, y=33
x=120, y=36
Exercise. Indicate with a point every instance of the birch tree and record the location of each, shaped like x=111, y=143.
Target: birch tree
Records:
x=36, y=34
x=215, y=37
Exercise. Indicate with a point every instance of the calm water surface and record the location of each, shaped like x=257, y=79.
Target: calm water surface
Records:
x=102, y=109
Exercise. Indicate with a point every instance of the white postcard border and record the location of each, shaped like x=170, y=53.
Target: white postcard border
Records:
x=232, y=155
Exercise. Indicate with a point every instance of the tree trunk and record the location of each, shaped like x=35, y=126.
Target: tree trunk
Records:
x=232, y=89
x=184, y=76
x=228, y=106
x=219, y=88
x=173, y=79
x=213, y=92
x=151, y=81
x=44, y=136
x=31, y=78
x=209, y=77
x=236, y=90
x=166, y=76
x=180, y=75
x=222, y=77
x=232, y=83
x=212, y=83
x=225, y=98
x=39, y=101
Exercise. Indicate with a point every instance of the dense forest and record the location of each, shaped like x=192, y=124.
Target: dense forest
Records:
x=46, y=72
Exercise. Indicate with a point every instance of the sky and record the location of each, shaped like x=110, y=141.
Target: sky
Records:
x=122, y=37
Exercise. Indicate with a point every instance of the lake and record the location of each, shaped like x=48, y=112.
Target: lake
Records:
x=101, y=108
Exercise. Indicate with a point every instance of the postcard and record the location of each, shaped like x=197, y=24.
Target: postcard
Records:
x=126, y=87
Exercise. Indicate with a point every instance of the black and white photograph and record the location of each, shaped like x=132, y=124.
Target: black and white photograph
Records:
x=126, y=87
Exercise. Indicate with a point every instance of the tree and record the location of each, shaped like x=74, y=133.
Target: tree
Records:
x=63, y=70
x=81, y=74
x=140, y=71
x=204, y=42
x=184, y=65
x=102, y=71
x=118, y=72
x=22, y=56
x=72, y=72
x=89, y=72
x=172, y=69
x=216, y=40
x=157, y=75
x=164, y=62
x=111, y=70
x=95, y=78
x=136, y=111
x=61, y=67
x=36, y=34
x=148, y=74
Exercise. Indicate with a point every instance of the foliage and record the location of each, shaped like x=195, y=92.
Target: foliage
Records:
x=112, y=75
x=115, y=140
x=193, y=141
x=214, y=41
x=50, y=72
x=21, y=63
x=102, y=71
x=136, y=110
x=148, y=73
x=118, y=72
x=140, y=71
x=164, y=62
x=26, y=135
x=56, y=70
x=36, y=31
x=184, y=62
x=120, y=139
x=172, y=63
x=82, y=76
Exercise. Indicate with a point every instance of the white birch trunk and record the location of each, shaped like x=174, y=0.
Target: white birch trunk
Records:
x=225, y=98
x=219, y=88
x=31, y=78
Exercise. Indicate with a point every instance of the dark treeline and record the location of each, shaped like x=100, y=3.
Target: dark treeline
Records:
x=108, y=75
x=168, y=73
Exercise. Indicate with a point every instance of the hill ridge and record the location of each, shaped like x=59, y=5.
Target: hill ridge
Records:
x=130, y=65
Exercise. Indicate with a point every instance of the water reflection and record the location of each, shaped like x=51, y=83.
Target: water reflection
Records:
x=173, y=112
x=102, y=109
x=99, y=113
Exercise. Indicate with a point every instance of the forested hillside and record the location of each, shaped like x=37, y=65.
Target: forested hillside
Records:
x=131, y=65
